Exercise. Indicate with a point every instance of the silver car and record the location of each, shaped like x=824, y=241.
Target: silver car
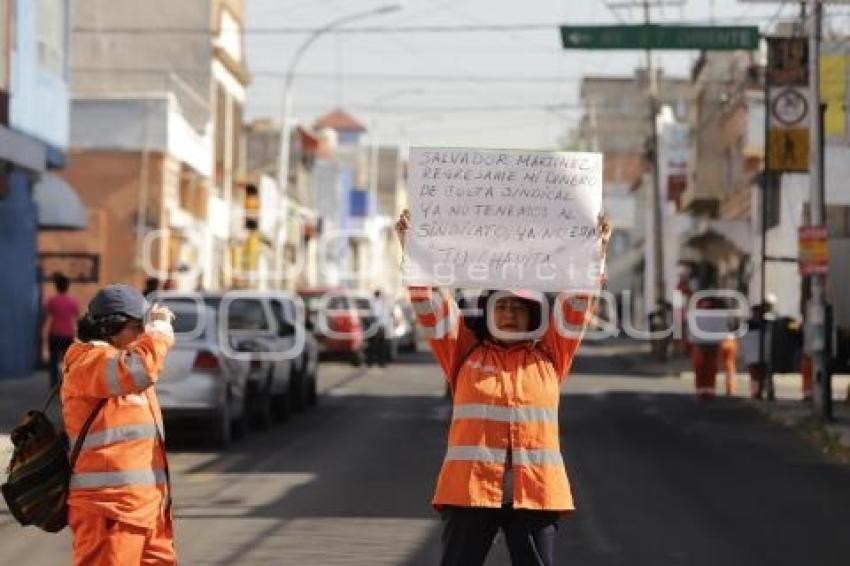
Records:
x=303, y=386
x=254, y=333
x=199, y=380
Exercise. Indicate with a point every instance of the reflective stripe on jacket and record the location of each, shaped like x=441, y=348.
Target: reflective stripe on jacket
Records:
x=121, y=469
x=505, y=408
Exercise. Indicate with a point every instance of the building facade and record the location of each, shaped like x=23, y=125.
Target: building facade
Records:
x=33, y=138
x=179, y=100
x=616, y=121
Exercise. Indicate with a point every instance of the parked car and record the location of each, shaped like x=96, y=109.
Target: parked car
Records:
x=253, y=329
x=200, y=381
x=304, y=388
x=335, y=323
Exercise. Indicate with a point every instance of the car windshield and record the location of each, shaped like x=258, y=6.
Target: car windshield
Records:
x=246, y=314
x=338, y=303
x=186, y=325
x=243, y=314
x=312, y=302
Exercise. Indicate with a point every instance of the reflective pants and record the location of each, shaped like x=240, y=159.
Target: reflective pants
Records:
x=704, y=359
x=100, y=541
x=729, y=362
x=468, y=534
x=806, y=374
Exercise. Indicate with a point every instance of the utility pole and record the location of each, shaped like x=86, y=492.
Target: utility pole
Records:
x=657, y=209
x=817, y=331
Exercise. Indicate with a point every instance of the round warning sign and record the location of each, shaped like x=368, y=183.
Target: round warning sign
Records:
x=790, y=107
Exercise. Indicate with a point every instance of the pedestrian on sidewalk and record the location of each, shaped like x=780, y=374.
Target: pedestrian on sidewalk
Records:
x=61, y=312
x=758, y=348
x=503, y=468
x=120, y=500
x=376, y=348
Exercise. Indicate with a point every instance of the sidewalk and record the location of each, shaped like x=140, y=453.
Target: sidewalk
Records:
x=788, y=409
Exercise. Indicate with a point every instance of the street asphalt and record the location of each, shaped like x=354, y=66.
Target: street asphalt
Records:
x=658, y=479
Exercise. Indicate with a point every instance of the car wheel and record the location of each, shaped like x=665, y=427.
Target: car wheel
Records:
x=262, y=405
x=220, y=426
x=314, y=390
x=297, y=391
x=238, y=424
x=282, y=406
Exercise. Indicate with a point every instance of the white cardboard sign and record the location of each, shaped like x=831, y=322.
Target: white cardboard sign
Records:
x=504, y=219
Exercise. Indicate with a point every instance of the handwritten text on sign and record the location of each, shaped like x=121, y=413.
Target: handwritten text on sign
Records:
x=504, y=219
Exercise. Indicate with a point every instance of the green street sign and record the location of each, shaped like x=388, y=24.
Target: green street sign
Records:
x=655, y=36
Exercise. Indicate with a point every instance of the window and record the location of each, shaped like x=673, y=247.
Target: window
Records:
x=51, y=36
x=247, y=314
x=220, y=133
x=838, y=221
x=186, y=322
x=236, y=132
x=5, y=43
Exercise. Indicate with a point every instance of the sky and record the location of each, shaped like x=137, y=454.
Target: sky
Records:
x=501, y=88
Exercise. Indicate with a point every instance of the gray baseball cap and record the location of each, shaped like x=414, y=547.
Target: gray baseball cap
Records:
x=118, y=299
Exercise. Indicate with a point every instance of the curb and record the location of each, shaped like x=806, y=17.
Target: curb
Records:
x=831, y=438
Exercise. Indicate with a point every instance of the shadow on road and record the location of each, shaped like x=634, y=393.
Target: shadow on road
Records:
x=658, y=478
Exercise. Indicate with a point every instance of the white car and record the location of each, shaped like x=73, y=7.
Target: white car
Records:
x=304, y=383
x=274, y=345
x=200, y=380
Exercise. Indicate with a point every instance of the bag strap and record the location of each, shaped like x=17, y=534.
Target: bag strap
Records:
x=78, y=444
x=54, y=391
x=160, y=435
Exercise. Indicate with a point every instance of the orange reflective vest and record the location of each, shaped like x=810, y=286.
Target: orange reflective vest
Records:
x=505, y=408
x=121, y=469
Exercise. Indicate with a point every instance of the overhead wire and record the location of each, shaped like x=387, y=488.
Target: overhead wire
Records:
x=292, y=30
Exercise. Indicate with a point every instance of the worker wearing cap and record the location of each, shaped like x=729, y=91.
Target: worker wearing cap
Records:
x=119, y=502
x=503, y=468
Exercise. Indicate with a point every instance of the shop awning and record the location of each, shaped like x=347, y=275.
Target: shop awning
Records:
x=59, y=206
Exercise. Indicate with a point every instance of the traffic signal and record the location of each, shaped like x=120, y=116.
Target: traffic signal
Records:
x=252, y=207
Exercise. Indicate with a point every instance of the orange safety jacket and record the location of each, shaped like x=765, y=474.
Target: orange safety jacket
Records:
x=505, y=407
x=121, y=472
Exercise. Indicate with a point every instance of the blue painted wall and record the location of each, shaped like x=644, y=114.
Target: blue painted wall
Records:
x=19, y=310
x=38, y=107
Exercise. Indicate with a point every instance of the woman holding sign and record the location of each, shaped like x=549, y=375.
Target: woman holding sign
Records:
x=503, y=468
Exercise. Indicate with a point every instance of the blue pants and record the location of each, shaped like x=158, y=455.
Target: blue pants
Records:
x=468, y=534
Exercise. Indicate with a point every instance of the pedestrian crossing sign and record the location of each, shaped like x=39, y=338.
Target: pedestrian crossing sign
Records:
x=788, y=150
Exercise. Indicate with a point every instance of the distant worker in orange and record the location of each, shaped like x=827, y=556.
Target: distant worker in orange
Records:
x=503, y=468
x=704, y=347
x=120, y=501
x=728, y=361
x=806, y=374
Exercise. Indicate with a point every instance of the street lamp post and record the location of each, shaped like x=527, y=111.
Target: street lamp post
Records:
x=283, y=167
x=286, y=110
